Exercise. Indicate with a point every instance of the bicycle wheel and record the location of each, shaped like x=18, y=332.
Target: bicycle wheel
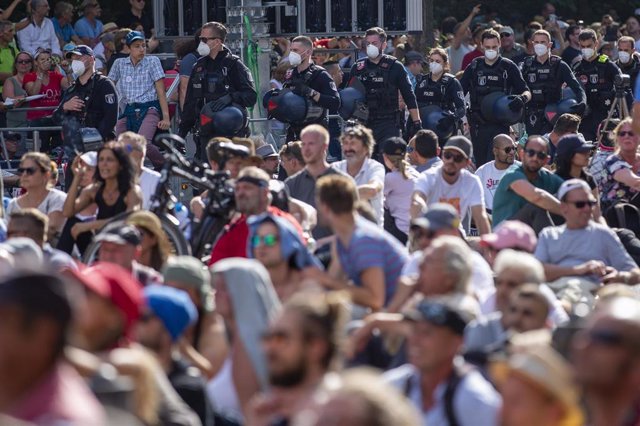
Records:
x=179, y=245
x=206, y=236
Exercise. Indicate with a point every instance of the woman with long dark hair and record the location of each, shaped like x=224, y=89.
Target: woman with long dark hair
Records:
x=114, y=189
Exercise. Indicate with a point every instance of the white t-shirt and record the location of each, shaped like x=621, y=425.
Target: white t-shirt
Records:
x=457, y=55
x=397, y=196
x=53, y=202
x=465, y=192
x=148, y=181
x=490, y=178
x=371, y=172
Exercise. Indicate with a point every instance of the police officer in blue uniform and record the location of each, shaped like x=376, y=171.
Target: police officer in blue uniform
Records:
x=382, y=76
x=440, y=88
x=596, y=73
x=484, y=76
x=219, y=79
x=309, y=81
x=545, y=75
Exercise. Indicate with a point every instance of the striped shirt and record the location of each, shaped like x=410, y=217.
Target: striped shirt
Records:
x=136, y=84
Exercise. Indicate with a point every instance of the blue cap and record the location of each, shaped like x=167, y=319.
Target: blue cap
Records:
x=174, y=308
x=82, y=50
x=133, y=36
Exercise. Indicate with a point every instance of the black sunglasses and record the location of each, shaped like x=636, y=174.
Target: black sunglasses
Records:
x=508, y=150
x=458, y=158
x=29, y=170
x=582, y=203
x=533, y=153
x=206, y=39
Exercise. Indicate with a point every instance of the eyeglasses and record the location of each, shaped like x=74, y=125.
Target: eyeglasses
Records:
x=29, y=170
x=582, y=203
x=508, y=150
x=268, y=240
x=533, y=153
x=24, y=61
x=206, y=39
x=458, y=158
x=626, y=133
x=410, y=149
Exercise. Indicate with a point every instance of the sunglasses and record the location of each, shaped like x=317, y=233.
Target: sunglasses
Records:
x=29, y=170
x=268, y=240
x=206, y=39
x=410, y=149
x=457, y=158
x=582, y=203
x=508, y=150
x=24, y=61
x=533, y=153
x=626, y=133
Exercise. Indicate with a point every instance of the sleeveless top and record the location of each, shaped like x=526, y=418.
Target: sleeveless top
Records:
x=106, y=211
x=17, y=118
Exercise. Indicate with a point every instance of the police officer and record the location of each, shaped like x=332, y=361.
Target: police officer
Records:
x=485, y=75
x=309, y=81
x=440, y=88
x=90, y=102
x=596, y=73
x=382, y=76
x=218, y=78
x=629, y=63
x=545, y=74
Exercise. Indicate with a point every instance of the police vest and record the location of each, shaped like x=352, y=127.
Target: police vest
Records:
x=593, y=77
x=382, y=96
x=209, y=82
x=632, y=68
x=429, y=92
x=487, y=80
x=543, y=80
x=315, y=113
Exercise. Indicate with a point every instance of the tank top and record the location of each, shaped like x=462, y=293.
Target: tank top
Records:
x=106, y=211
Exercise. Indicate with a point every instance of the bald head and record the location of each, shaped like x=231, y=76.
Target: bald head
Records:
x=502, y=140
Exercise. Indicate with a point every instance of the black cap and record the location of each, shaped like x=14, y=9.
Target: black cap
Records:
x=120, y=234
x=571, y=144
x=12, y=136
x=460, y=144
x=442, y=314
x=38, y=293
x=394, y=146
x=413, y=56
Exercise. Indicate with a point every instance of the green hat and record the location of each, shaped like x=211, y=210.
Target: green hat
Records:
x=190, y=272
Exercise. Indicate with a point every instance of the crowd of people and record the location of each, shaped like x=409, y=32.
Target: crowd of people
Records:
x=397, y=270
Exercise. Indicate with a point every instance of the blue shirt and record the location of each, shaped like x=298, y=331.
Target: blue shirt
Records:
x=371, y=247
x=429, y=164
x=136, y=84
x=636, y=91
x=65, y=32
x=84, y=28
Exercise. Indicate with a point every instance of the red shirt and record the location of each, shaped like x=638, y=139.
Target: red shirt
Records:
x=466, y=60
x=52, y=93
x=233, y=243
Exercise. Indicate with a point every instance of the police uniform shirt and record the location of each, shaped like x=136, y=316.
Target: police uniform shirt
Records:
x=319, y=80
x=596, y=77
x=101, y=107
x=372, y=75
x=445, y=93
x=226, y=74
x=480, y=75
x=545, y=80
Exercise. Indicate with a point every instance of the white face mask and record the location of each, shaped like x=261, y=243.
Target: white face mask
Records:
x=587, y=53
x=491, y=54
x=540, y=49
x=624, y=57
x=372, y=51
x=295, y=59
x=203, y=49
x=77, y=67
x=435, y=67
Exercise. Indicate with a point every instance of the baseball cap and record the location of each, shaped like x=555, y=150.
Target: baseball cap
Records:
x=440, y=313
x=90, y=158
x=439, y=216
x=133, y=36
x=120, y=234
x=460, y=144
x=266, y=151
x=413, y=56
x=116, y=284
x=394, y=146
x=82, y=50
x=507, y=30
x=570, y=144
x=172, y=306
x=570, y=185
x=511, y=234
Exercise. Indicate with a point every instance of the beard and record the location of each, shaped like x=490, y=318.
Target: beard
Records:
x=291, y=376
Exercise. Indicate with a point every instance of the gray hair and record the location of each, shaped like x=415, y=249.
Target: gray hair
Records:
x=457, y=260
x=520, y=261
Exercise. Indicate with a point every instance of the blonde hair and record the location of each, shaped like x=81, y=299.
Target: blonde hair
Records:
x=626, y=121
x=400, y=162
